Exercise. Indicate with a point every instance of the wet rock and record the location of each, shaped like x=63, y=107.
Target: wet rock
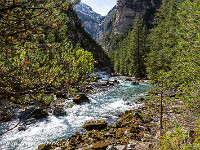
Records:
x=59, y=111
x=104, y=82
x=22, y=128
x=95, y=125
x=134, y=83
x=88, y=88
x=33, y=112
x=45, y=147
x=128, y=79
x=30, y=121
x=115, y=81
x=141, y=99
x=81, y=98
x=114, y=74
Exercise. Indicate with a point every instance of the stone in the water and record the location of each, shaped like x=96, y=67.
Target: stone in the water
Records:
x=33, y=112
x=128, y=79
x=81, y=98
x=115, y=81
x=22, y=128
x=45, y=147
x=59, y=111
x=95, y=125
x=30, y=121
x=88, y=88
x=134, y=83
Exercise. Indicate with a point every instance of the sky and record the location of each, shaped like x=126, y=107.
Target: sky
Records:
x=102, y=7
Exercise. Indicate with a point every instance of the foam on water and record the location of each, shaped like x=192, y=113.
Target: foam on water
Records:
x=104, y=105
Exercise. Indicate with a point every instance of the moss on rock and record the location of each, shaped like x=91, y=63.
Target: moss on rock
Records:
x=96, y=125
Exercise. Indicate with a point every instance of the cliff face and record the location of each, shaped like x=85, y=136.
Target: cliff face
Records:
x=106, y=25
x=90, y=19
x=117, y=21
x=127, y=10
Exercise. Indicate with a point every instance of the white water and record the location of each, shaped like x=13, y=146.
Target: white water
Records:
x=103, y=106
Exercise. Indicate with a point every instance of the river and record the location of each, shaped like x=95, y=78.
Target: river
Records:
x=105, y=105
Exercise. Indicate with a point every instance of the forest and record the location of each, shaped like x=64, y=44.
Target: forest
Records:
x=37, y=60
x=169, y=55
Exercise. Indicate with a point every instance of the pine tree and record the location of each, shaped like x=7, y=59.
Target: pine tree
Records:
x=35, y=56
x=162, y=39
x=137, y=48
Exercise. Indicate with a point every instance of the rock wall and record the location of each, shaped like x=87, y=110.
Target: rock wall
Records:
x=127, y=10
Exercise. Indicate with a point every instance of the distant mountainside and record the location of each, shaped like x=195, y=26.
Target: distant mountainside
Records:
x=90, y=19
x=76, y=34
x=117, y=21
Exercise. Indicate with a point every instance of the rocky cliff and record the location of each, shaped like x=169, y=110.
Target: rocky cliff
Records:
x=90, y=19
x=127, y=10
x=118, y=20
x=106, y=24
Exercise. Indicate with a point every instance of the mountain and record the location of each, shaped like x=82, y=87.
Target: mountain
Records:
x=90, y=19
x=127, y=10
x=77, y=34
x=117, y=21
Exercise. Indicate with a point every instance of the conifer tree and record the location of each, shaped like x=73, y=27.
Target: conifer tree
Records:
x=35, y=56
x=137, y=48
x=162, y=39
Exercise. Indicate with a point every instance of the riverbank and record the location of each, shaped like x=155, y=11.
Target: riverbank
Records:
x=105, y=103
x=137, y=129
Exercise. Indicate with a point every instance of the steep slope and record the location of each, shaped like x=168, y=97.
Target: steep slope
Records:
x=127, y=10
x=76, y=33
x=90, y=19
x=106, y=25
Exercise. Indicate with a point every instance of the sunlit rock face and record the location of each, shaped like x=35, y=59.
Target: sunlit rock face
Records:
x=90, y=19
x=127, y=10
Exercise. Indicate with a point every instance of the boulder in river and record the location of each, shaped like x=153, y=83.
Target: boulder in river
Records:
x=128, y=79
x=81, y=98
x=59, y=111
x=22, y=128
x=88, y=88
x=33, y=112
x=135, y=83
x=95, y=125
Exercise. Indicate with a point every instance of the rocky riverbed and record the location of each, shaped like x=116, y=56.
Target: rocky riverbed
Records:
x=104, y=99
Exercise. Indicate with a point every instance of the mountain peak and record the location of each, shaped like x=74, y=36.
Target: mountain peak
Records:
x=85, y=9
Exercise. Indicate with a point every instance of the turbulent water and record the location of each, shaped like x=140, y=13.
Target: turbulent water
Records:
x=103, y=106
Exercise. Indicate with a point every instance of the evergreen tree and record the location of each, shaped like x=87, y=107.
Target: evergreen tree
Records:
x=35, y=56
x=185, y=72
x=162, y=39
x=137, y=48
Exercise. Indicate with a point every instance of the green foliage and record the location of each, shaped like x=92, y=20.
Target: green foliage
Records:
x=131, y=50
x=179, y=140
x=162, y=39
x=35, y=56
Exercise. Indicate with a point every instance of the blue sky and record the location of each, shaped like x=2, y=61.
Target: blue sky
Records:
x=100, y=6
